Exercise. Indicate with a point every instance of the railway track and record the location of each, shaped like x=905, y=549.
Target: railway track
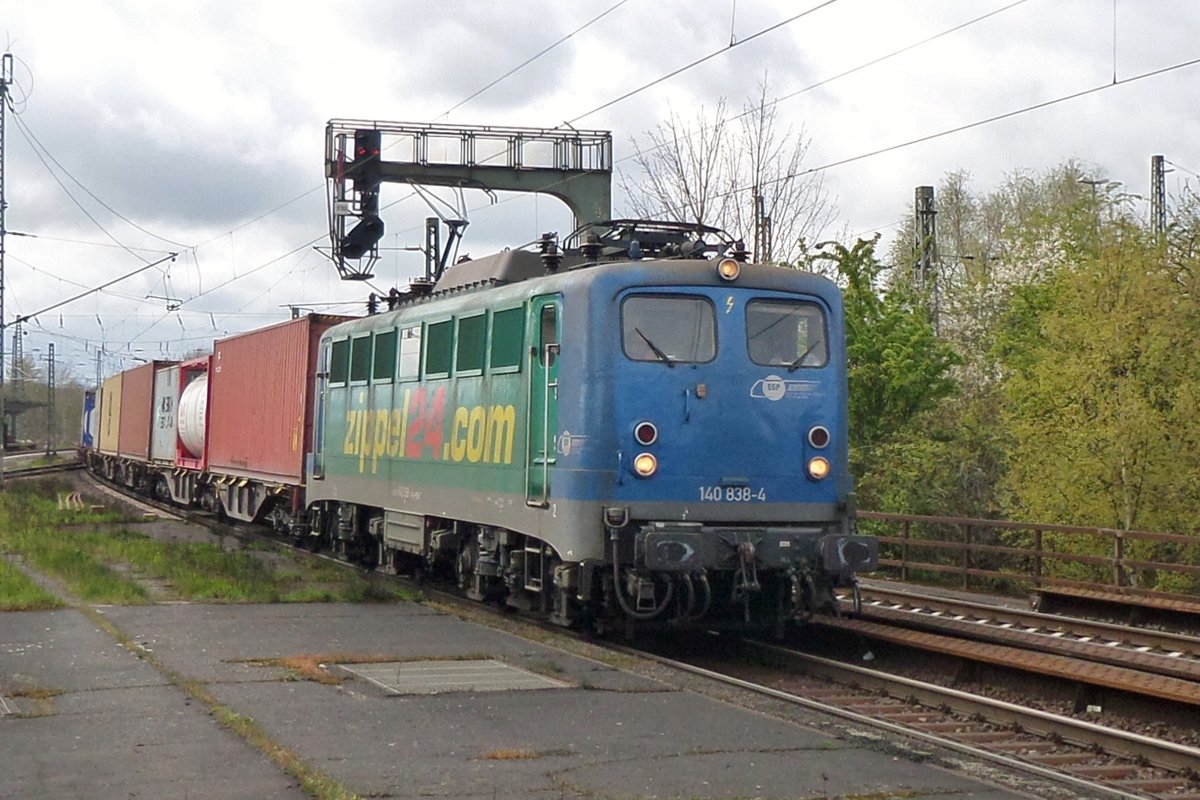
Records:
x=1092, y=759
x=18, y=473
x=1108, y=658
x=1106, y=634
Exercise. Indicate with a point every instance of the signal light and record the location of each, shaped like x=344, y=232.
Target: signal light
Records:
x=818, y=437
x=364, y=169
x=645, y=433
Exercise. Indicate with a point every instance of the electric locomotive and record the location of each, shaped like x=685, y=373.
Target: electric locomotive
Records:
x=640, y=430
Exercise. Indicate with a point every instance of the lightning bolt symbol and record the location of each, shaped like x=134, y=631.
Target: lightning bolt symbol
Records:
x=728, y=304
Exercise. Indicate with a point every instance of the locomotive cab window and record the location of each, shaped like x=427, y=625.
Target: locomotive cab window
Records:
x=410, y=353
x=674, y=329
x=786, y=333
x=339, y=362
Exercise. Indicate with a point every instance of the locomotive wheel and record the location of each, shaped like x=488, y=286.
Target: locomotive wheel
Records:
x=464, y=565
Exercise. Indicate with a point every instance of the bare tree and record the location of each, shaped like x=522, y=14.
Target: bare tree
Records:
x=684, y=170
x=747, y=178
x=788, y=207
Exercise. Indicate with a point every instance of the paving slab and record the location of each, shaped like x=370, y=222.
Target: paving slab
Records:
x=107, y=723
x=94, y=721
x=608, y=734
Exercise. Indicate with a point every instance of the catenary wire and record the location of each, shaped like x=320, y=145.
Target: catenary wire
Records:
x=968, y=126
x=865, y=65
x=822, y=82
x=23, y=129
x=534, y=57
x=40, y=148
x=699, y=61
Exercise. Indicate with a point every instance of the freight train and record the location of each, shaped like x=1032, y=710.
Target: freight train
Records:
x=639, y=429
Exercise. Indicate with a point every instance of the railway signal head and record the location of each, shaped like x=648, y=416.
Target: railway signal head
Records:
x=364, y=168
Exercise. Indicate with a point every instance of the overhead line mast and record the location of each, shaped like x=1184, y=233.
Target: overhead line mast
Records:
x=6, y=71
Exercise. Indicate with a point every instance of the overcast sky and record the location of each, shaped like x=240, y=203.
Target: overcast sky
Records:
x=198, y=127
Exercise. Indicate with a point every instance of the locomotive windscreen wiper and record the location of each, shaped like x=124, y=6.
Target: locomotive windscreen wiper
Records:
x=658, y=352
x=804, y=355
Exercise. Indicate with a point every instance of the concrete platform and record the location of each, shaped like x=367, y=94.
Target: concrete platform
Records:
x=96, y=721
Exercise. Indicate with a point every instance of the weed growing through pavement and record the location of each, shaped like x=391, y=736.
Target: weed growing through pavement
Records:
x=509, y=754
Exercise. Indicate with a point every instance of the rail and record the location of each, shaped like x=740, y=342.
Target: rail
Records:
x=1000, y=554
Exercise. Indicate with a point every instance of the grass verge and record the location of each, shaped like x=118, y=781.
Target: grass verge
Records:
x=19, y=593
x=100, y=561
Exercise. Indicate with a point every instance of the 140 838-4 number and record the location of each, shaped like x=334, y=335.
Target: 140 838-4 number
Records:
x=732, y=494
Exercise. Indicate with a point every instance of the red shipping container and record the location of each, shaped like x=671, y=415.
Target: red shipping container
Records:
x=137, y=410
x=261, y=399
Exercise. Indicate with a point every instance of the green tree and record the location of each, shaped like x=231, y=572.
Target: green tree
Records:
x=1103, y=394
x=897, y=367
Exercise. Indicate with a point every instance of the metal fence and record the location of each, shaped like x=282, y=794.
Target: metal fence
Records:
x=1020, y=555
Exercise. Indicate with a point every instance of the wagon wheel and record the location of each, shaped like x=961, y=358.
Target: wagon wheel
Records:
x=464, y=564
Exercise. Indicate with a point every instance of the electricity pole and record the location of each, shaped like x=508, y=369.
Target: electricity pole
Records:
x=51, y=410
x=1158, y=195
x=927, y=254
x=6, y=71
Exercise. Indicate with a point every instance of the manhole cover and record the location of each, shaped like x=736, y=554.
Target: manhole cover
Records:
x=435, y=677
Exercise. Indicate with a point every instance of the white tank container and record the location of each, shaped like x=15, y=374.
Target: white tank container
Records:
x=193, y=415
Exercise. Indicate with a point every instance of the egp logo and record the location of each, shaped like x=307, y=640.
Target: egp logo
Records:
x=771, y=387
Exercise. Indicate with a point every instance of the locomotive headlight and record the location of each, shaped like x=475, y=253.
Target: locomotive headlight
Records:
x=729, y=269
x=645, y=465
x=818, y=468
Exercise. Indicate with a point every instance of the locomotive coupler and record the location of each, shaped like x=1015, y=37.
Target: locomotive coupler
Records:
x=804, y=592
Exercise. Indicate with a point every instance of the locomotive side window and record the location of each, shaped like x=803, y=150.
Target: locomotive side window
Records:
x=507, y=333
x=339, y=362
x=384, y=368
x=549, y=320
x=360, y=358
x=438, y=339
x=410, y=353
x=675, y=329
x=471, y=344
x=785, y=333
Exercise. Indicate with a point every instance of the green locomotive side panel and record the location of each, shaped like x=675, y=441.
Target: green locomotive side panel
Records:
x=467, y=432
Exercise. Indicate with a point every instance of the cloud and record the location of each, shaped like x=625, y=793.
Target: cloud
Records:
x=197, y=121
